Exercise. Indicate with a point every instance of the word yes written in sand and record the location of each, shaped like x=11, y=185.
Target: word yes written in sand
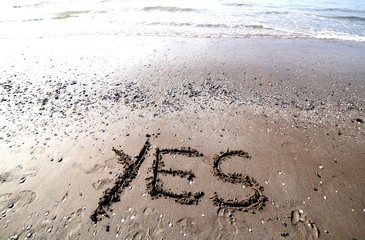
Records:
x=155, y=184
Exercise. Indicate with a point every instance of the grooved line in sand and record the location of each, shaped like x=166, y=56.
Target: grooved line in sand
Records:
x=156, y=190
x=112, y=195
x=255, y=201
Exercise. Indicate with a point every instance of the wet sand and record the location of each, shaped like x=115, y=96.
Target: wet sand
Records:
x=108, y=137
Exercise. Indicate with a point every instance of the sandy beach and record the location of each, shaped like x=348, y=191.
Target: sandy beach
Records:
x=112, y=137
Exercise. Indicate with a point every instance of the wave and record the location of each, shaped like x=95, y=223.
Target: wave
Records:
x=69, y=14
x=221, y=33
x=338, y=36
x=238, y=4
x=355, y=18
x=255, y=26
x=275, y=12
x=174, y=24
x=209, y=25
x=34, y=19
x=30, y=5
x=346, y=10
x=168, y=9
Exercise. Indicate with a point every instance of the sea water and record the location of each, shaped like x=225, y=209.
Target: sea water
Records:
x=318, y=19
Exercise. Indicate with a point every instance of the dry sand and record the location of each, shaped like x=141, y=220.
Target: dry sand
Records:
x=233, y=138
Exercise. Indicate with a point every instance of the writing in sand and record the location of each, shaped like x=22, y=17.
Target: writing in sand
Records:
x=155, y=184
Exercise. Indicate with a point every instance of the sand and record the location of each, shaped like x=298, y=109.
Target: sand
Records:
x=107, y=137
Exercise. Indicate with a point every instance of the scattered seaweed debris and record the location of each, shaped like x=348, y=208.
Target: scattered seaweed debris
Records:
x=155, y=185
x=255, y=201
x=112, y=195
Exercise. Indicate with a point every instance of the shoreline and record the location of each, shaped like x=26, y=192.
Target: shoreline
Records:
x=296, y=107
x=242, y=38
